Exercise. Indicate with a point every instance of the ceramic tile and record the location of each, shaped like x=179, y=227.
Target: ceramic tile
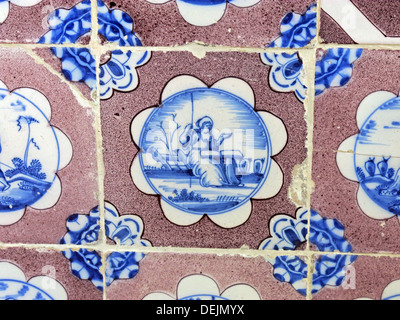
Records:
x=340, y=198
x=43, y=173
x=336, y=107
x=202, y=275
x=372, y=278
x=360, y=21
x=171, y=222
x=207, y=170
x=27, y=21
x=169, y=23
x=41, y=274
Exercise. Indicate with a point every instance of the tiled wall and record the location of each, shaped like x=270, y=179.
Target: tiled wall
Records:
x=182, y=149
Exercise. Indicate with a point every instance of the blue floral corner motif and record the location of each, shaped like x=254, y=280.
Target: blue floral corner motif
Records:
x=327, y=235
x=297, y=31
x=335, y=68
x=84, y=229
x=78, y=64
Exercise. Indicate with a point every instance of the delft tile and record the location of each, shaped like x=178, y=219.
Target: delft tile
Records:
x=42, y=176
x=360, y=21
x=368, y=278
x=41, y=274
x=204, y=276
x=28, y=21
x=322, y=234
x=363, y=216
x=170, y=22
x=337, y=107
x=122, y=121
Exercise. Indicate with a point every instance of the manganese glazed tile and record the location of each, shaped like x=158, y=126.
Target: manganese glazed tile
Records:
x=48, y=168
x=368, y=278
x=27, y=21
x=360, y=21
x=222, y=133
x=39, y=274
x=202, y=276
x=174, y=150
x=222, y=22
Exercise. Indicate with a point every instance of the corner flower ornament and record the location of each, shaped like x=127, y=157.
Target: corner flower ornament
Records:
x=5, y=6
x=327, y=235
x=372, y=157
x=31, y=154
x=84, y=229
x=205, y=12
x=116, y=26
x=206, y=151
x=201, y=287
x=297, y=30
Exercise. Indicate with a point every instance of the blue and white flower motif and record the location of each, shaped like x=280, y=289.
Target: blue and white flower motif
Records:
x=201, y=287
x=335, y=68
x=5, y=6
x=205, y=12
x=372, y=156
x=125, y=230
x=15, y=286
x=287, y=69
x=206, y=151
x=391, y=292
x=32, y=152
x=327, y=235
x=78, y=64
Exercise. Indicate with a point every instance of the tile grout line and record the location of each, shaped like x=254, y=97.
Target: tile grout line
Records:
x=310, y=67
x=95, y=47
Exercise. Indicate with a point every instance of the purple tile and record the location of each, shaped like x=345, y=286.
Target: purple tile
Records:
x=117, y=115
x=44, y=274
x=163, y=24
x=359, y=21
x=374, y=278
x=221, y=273
x=28, y=23
x=78, y=190
x=336, y=108
x=336, y=197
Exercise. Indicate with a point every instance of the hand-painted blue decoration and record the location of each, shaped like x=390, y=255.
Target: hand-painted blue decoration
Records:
x=14, y=286
x=296, y=32
x=119, y=72
x=391, y=292
x=5, y=6
x=335, y=68
x=206, y=151
x=31, y=153
x=86, y=264
x=201, y=287
x=205, y=12
x=327, y=235
x=374, y=159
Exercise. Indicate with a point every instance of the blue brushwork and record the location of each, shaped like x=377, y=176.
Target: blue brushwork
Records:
x=326, y=234
x=22, y=180
x=335, y=68
x=11, y=289
x=78, y=64
x=86, y=264
x=379, y=176
x=194, y=165
x=297, y=31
